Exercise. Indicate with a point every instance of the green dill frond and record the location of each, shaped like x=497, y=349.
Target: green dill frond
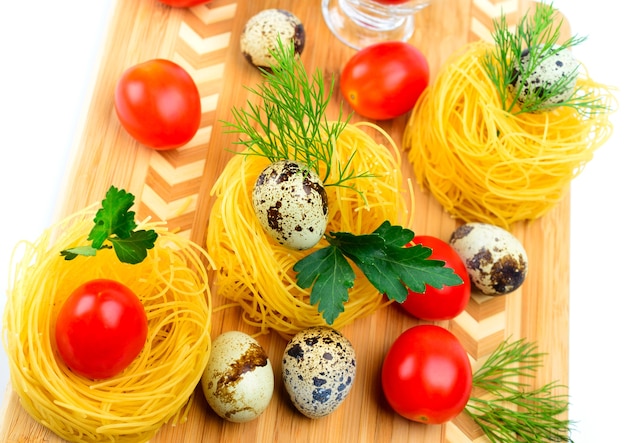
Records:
x=518, y=54
x=290, y=121
x=513, y=411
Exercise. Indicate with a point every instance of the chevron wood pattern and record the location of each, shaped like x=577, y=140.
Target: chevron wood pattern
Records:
x=174, y=178
x=174, y=186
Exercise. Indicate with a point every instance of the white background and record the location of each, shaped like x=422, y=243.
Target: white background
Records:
x=50, y=52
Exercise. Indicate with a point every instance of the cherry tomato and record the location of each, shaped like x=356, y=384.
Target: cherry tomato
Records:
x=426, y=375
x=158, y=103
x=384, y=80
x=447, y=302
x=183, y=3
x=100, y=329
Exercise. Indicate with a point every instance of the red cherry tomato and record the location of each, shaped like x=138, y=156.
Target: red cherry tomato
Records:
x=100, y=329
x=158, y=103
x=384, y=80
x=183, y=3
x=426, y=375
x=445, y=303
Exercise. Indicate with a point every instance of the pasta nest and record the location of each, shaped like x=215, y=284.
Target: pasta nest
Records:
x=256, y=273
x=484, y=164
x=173, y=285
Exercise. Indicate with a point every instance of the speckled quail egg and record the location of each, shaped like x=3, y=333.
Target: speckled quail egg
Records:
x=262, y=31
x=495, y=259
x=560, y=66
x=238, y=382
x=291, y=203
x=318, y=369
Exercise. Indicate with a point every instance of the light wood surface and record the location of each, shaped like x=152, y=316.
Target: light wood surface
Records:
x=175, y=185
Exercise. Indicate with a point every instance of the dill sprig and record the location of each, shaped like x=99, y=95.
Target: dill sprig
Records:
x=290, y=122
x=535, y=39
x=512, y=412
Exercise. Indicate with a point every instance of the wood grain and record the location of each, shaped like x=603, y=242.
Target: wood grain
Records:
x=174, y=186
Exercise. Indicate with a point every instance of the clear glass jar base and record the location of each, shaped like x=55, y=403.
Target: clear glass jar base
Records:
x=357, y=32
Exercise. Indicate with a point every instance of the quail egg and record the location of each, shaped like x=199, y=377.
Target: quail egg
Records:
x=262, y=31
x=318, y=370
x=496, y=261
x=291, y=204
x=558, y=66
x=238, y=382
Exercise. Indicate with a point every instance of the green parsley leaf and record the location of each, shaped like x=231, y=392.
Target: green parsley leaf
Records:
x=383, y=258
x=114, y=218
x=331, y=276
x=396, y=236
x=72, y=253
x=115, y=223
x=134, y=248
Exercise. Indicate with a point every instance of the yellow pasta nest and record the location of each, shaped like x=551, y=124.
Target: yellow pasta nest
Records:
x=172, y=283
x=257, y=273
x=485, y=164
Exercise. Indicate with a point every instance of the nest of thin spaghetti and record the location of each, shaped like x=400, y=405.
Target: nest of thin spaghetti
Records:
x=483, y=163
x=257, y=274
x=172, y=283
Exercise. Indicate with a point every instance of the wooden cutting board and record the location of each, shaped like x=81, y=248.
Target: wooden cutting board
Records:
x=174, y=186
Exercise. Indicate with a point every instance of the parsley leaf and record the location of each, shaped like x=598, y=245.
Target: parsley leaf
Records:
x=383, y=258
x=114, y=218
x=115, y=223
x=331, y=276
x=134, y=249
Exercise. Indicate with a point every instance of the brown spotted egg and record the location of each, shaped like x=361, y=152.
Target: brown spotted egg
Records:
x=238, y=382
x=262, y=31
x=495, y=259
x=291, y=203
x=318, y=370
